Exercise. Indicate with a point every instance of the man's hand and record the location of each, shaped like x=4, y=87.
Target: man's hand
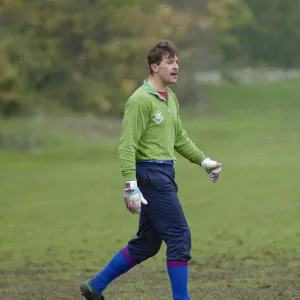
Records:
x=213, y=168
x=133, y=197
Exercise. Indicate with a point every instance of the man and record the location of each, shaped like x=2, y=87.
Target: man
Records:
x=151, y=133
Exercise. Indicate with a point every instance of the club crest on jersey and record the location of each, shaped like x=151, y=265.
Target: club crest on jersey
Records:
x=158, y=118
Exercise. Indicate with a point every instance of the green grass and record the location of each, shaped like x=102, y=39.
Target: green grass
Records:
x=62, y=209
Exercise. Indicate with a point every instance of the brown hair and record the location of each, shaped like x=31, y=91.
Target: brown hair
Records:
x=160, y=50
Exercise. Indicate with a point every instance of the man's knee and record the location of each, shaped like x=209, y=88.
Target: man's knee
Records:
x=179, y=248
x=154, y=249
x=141, y=251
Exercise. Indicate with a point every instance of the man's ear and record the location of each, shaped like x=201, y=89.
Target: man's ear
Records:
x=154, y=68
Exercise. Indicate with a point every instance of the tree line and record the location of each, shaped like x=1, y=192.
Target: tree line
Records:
x=89, y=55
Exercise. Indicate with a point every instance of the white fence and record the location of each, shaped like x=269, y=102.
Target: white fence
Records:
x=246, y=76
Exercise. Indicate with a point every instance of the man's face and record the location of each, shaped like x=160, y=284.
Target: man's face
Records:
x=167, y=70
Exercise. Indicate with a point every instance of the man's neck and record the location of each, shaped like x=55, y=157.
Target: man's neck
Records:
x=157, y=84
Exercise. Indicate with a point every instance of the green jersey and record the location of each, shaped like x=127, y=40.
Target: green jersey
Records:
x=152, y=130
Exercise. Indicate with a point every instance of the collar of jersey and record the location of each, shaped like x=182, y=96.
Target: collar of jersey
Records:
x=151, y=90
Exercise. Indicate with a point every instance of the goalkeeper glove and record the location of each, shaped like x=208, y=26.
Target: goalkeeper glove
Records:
x=133, y=197
x=213, y=168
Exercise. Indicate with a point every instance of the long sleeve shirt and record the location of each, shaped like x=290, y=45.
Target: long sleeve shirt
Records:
x=152, y=130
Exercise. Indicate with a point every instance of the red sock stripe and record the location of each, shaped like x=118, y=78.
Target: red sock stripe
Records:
x=177, y=263
x=125, y=253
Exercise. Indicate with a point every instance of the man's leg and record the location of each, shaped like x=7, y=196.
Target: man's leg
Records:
x=166, y=214
x=148, y=241
x=119, y=264
x=146, y=244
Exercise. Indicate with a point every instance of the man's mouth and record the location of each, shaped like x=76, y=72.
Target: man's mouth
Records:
x=174, y=74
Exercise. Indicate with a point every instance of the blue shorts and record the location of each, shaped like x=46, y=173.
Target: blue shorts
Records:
x=162, y=219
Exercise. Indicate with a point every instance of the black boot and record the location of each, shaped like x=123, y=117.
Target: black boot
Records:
x=88, y=291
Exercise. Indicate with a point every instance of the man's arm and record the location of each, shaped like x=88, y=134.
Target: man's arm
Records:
x=134, y=124
x=186, y=147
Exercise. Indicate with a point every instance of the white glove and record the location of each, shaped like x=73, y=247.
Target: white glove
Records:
x=133, y=197
x=213, y=168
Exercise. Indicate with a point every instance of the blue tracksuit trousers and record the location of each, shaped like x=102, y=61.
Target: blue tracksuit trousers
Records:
x=163, y=218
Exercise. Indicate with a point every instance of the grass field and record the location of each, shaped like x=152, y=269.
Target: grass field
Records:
x=62, y=214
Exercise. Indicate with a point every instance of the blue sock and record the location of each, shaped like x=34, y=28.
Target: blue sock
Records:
x=120, y=264
x=178, y=273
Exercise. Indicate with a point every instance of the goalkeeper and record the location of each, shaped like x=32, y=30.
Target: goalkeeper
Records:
x=151, y=133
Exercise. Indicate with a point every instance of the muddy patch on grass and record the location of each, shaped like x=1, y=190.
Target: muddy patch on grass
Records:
x=207, y=281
